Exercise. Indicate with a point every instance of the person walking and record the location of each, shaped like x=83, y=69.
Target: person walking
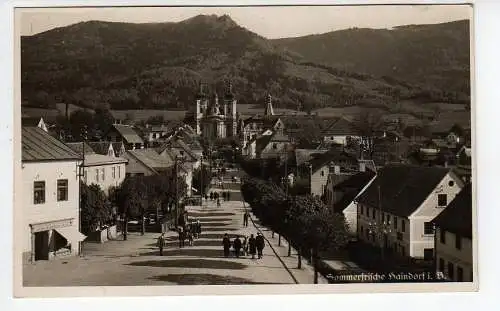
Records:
x=244, y=246
x=218, y=202
x=161, y=243
x=181, y=237
x=237, y=246
x=198, y=228
x=251, y=246
x=226, y=244
x=190, y=237
x=245, y=219
x=259, y=243
x=211, y=196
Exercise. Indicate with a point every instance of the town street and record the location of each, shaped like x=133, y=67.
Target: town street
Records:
x=137, y=260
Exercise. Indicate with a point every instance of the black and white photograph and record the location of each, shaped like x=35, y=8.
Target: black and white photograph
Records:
x=245, y=145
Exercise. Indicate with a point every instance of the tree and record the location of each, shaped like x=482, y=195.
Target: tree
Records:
x=368, y=125
x=103, y=120
x=95, y=208
x=78, y=121
x=129, y=201
x=201, y=180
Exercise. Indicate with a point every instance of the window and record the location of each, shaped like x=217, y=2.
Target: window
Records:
x=451, y=271
x=361, y=210
x=374, y=213
x=458, y=241
x=428, y=228
x=62, y=190
x=442, y=236
x=428, y=253
x=102, y=174
x=395, y=219
x=451, y=183
x=441, y=264
x=403, y=225
x=97, y=174
x=399, y=236
x=322, y=173
x=388, y=219
x=275, y=146
x=119, y=171
x=442, y=200
x=460, y=274
x=113, y=172
x=39, y=192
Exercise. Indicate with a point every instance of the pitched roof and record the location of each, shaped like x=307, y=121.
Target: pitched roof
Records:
x=30, y=121
x=117, y=146
x=38, y=145
x=79, y=148
x=333, y=155
x=351, y=187
x=151, y=158
x=99, y=159
x=305, y=155
x=403, y=188
x=341, y=126
x=128, y=133
x=457, y=217
x=100, y=147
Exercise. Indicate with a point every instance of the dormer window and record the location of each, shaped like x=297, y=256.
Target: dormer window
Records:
x=322, y=173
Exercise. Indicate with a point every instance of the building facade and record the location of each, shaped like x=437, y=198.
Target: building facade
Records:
x=104, y=171
x=50, y=188
x=398, y=216
x=453, y=239
x=216, y=118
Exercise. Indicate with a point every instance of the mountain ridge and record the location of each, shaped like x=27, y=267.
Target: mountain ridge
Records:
x=160, y=65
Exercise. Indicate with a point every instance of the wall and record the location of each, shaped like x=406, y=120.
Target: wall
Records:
x=318, y=180
x=273, y=149
x=51, y=210
x=109, y=181
x=428, y=211
x=351, y=217
x=449, y=253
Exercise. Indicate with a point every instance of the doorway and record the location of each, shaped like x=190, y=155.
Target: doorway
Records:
x=42, y=245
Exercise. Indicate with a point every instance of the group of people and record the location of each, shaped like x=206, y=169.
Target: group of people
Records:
x=189, y=232
x=215, y=196
x=244, y=246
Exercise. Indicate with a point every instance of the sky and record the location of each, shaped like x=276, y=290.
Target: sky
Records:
x=270, y=22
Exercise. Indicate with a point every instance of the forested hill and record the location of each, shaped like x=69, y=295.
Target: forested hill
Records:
x=431, y=55
x=160, y=65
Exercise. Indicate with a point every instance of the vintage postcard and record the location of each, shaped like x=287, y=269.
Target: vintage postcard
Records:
x=278, y=149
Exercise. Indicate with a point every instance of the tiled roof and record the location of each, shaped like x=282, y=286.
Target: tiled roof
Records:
x=304, y=155
x=100, y=147
x=333, y=155
x=151, y=158
x=457, y=217
x=78, y=148
x=128, y=133
x=403, y=188
x=351, y=187
x=341, y=126
x=99, y=159
x=38, y=145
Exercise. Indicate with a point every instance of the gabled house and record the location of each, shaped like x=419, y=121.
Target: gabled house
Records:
x=340, y=196
x=271, y=146
x=119, y=148
x=103, y=148
x=341, y=131
x=254, y=126
x=453, y=238
x=50, y=197
x=125, y=134
x=396, y=210
x=146, y=162
x=155, y=132
x=321, y=166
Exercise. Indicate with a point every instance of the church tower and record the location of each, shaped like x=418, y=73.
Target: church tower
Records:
x=201, y=107
x=230, y=112
x=269, y=106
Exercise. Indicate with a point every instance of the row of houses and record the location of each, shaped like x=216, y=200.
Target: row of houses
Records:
x=52, y=171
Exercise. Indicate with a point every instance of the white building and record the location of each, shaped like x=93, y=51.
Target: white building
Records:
x=454, y=255
x=50, y=197
x=396, y=210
